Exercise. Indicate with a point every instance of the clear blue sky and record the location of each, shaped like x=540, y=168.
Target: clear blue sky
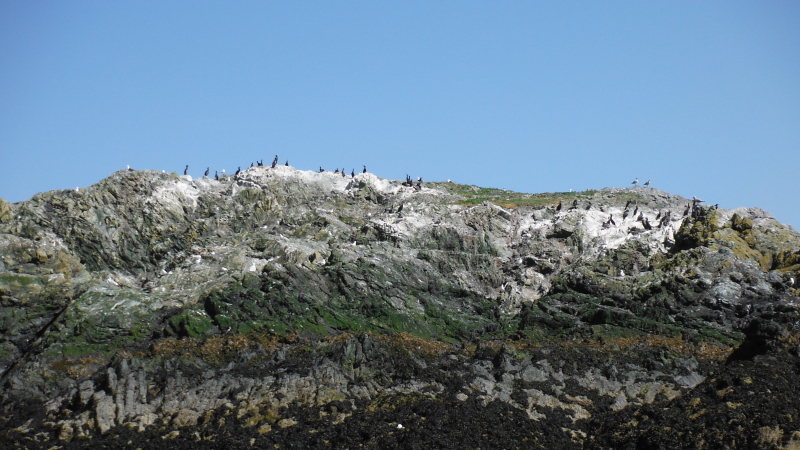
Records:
x=701, y=97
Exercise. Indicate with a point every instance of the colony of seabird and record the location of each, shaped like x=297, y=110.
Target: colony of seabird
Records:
x=690, y=207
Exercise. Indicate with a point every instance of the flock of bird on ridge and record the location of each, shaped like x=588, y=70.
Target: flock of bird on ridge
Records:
x=409, y=182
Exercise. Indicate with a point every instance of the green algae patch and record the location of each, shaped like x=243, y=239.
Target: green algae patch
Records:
x=191, y=323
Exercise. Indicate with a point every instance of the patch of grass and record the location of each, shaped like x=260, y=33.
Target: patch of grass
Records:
x=474, y=195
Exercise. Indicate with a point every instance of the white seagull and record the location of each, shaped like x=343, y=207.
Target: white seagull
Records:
x=635, y=182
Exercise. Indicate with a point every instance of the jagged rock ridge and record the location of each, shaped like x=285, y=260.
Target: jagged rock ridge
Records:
x=283, y=300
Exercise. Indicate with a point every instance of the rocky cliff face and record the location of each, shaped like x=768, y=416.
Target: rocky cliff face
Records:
x=315, y=310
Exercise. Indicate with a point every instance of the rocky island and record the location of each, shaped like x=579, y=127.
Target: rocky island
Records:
x=282, y=308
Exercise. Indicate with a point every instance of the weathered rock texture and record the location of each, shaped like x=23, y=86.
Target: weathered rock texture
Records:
x=315, y=310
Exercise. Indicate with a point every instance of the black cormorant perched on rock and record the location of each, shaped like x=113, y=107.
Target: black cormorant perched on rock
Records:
x=343, y=174
x=216, y=175
x=287, y=163
x=336, y=171
x=186, y=170
x=558, y=208
x=238, y=170
x=207, y=170
x=400, y=208
x=275, y=161
x=365, y=170
x=352, y=173
x=665, y=219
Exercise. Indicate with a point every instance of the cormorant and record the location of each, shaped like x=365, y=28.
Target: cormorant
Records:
x=287, y=163
x=665, y=219
x=238, y=170
x=336, y=171
x=365, y=170
x=400, y=208
x=352, y=173
x=186, y=170
x=216, y=175
x=207, y=170
x=275, y=161
x=321, y=169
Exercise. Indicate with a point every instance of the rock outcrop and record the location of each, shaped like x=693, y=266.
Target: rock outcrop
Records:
x=281, y=306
